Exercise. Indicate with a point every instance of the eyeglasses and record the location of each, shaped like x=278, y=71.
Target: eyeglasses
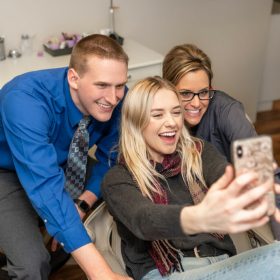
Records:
x=188, y=95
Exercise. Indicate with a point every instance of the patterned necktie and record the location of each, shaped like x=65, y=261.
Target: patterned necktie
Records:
x=77, y=159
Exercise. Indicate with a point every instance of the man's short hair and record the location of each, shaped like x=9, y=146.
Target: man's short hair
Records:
x=95, y=45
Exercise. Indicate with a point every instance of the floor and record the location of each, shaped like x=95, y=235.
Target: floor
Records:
x=69, y=272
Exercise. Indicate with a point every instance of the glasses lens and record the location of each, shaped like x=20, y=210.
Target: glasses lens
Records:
x=206, y=94
x=186, y=95
x=202, y=95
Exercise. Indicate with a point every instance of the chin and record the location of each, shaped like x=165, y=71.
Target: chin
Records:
x=102, y=117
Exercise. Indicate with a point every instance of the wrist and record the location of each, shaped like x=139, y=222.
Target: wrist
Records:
x=89, y=197
x=83, y=206
x=191, y=222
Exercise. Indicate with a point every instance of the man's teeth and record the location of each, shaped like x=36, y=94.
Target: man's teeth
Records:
x=167, y=134
x=106, y=106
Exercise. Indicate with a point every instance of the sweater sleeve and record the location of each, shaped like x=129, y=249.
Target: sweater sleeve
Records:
x=213, y=163
x=146, y=220
x=236, y=123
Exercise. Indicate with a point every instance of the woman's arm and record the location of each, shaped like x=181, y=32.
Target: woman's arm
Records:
x=146, y=220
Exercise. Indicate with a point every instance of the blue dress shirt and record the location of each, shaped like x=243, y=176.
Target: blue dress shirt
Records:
x=37, y=121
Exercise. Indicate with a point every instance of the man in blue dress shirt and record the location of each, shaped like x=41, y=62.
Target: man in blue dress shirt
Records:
x=39, y=113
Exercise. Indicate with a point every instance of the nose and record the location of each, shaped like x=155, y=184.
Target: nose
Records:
x=112, y=97
x=170, y=121
x=195, y=102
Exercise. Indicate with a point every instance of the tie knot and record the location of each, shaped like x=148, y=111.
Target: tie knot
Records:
x=84, y=122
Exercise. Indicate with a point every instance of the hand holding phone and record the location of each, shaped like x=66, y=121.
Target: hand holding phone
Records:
x=255, y=154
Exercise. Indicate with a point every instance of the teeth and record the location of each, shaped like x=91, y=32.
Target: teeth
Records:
x=106, y=106
x=168, y=134
x=192, y=111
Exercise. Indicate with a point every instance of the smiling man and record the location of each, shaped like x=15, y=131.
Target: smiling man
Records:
x=39, y=114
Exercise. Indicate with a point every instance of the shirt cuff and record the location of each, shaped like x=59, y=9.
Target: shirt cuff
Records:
x=73, y=238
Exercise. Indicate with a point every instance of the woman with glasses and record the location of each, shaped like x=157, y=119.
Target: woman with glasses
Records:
x=209, y=114
x=174, y=198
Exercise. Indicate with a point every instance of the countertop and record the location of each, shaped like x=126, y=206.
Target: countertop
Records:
x=139, y=56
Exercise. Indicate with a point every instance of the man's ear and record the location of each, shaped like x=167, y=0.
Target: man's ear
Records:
x=73, y=78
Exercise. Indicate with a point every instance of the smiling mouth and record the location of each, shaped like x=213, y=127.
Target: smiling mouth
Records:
x=192, y=112
x=105, y=106
x=168, y=134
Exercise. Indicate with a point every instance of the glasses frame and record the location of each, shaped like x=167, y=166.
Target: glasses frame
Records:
x=211, y=94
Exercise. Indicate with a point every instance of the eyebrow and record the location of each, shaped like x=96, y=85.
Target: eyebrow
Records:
x=159, y=109
x=109, y=84
x=192, y=91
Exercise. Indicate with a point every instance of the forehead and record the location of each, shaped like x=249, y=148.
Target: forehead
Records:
x=106, y=70
x=194, y=81
x=165, y=98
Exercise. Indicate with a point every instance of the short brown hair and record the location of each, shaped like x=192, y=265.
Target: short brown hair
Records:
x=95, y=45
x=183, y=59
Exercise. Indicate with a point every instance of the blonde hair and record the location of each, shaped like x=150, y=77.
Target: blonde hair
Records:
x=133, y=149
x=183, y=59
x=95, y=45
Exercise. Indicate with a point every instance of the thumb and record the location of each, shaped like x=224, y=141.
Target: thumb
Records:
x=225, y=179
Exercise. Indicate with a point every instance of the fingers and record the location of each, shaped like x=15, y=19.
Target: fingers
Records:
x=254, y=212
x=253, y=224
x=54, y=245
x=241, y=183
x=277, y=188
x=252, y=195
x=277, y=215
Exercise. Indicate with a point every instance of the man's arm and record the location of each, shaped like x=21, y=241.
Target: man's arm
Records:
x=27, y=123
x=95, y=268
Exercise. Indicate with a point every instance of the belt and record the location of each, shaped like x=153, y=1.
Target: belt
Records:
x=204, y=250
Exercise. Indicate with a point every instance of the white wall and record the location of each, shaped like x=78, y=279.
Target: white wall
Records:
x=232, y=32
x=270, y=89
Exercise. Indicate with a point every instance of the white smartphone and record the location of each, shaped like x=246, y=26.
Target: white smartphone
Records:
x=256, y=154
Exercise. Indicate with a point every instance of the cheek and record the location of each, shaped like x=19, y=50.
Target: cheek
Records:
x=120, y=94
x=205, y=104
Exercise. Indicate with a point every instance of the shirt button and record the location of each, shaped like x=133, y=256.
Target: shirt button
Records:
x=62, y=244
x=45, y=221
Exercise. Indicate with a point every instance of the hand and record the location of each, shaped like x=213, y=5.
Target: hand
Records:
x=226, y=206
x=90, y=198
x=94, y=265
x=54, y=245
x=228, y=203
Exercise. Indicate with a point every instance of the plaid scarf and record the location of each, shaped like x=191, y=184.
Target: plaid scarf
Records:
x=166, y=257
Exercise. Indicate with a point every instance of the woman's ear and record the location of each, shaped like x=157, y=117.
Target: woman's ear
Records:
x=73, y=78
